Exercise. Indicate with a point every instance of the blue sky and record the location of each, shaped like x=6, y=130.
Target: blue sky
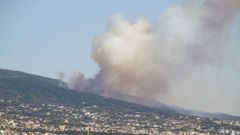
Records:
x=44, y=37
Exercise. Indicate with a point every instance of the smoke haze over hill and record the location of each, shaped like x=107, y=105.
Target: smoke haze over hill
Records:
x=149, y=60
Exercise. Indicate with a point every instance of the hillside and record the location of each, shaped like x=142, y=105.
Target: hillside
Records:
x=31, y=104
x=18, y=87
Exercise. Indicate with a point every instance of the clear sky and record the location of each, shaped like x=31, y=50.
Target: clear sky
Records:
x=47, y=36
x=44, y=37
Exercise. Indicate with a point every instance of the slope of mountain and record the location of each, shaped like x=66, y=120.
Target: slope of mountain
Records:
x=18, y=87
x=205, y=114
x=190, y=112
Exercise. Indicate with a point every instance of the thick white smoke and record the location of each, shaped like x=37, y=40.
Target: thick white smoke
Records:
x=144, y=59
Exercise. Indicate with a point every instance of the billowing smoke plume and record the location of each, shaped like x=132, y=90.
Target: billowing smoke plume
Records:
x=144, y=59
x=78, y=81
